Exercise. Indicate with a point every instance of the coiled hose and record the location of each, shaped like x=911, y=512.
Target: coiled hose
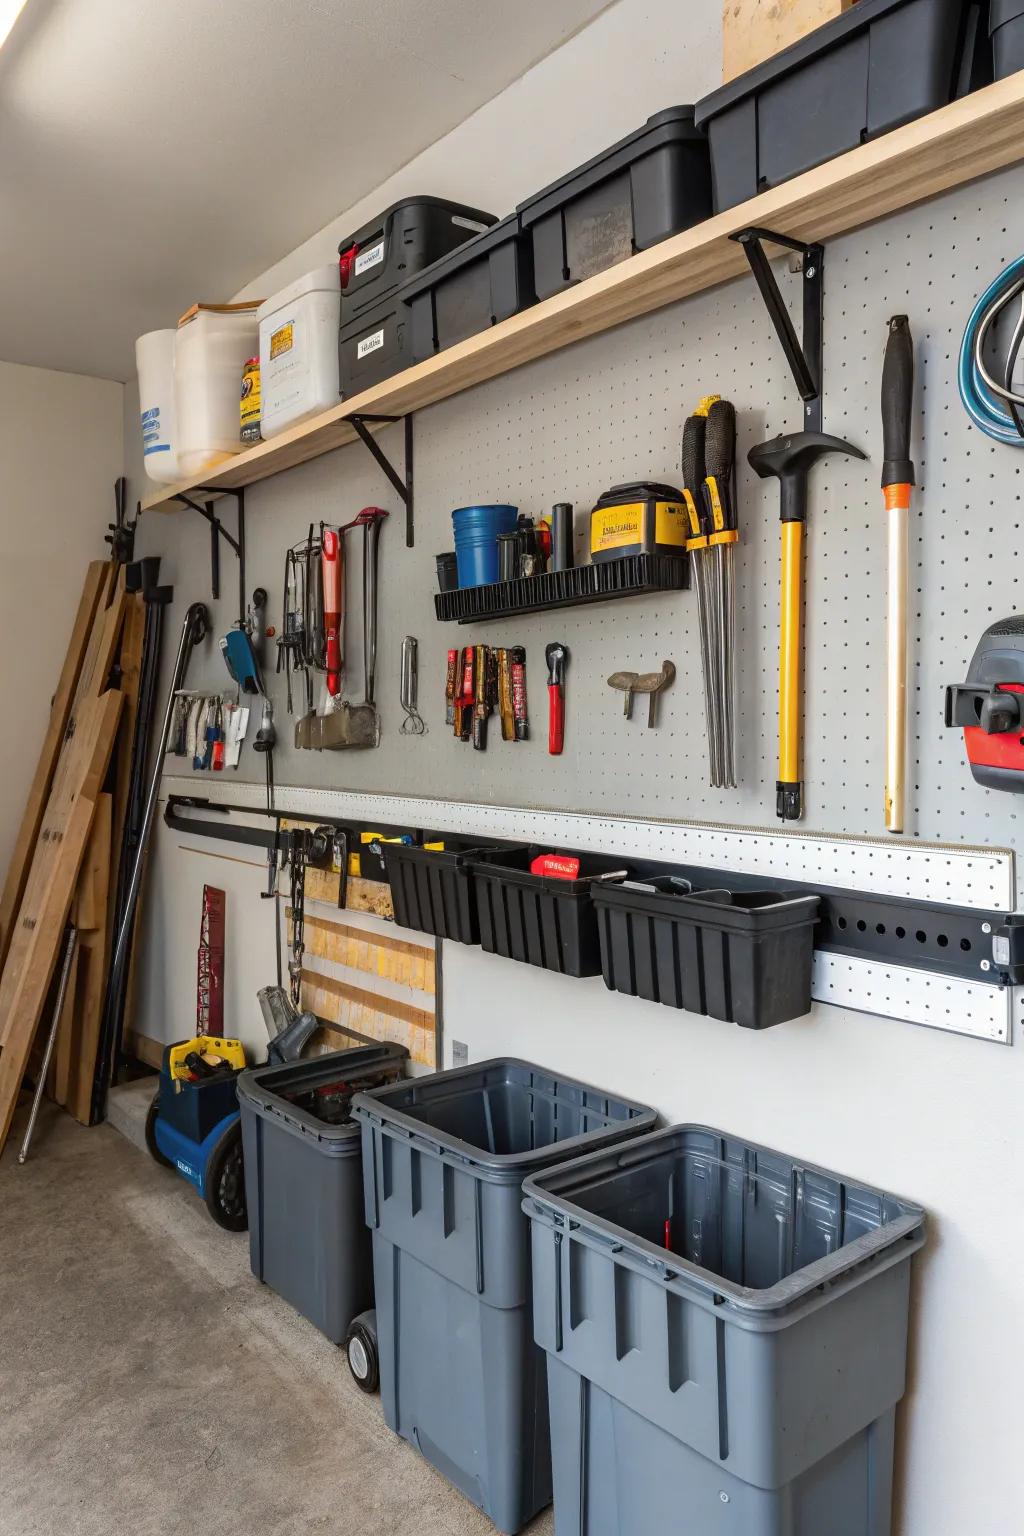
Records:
x=983, y=395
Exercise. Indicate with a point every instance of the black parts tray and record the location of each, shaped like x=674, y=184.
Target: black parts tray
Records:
x=742, y=956
x=541, y=919
x=651, y=184
x=879, y=65
x=432, y=890
x=632, y=576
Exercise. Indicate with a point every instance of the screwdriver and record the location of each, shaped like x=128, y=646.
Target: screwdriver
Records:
x=719, y=457
x=694, y=434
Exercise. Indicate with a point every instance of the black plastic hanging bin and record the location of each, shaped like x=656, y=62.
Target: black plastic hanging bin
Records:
x=741, y=956
x=541, y=919
x=432, y=890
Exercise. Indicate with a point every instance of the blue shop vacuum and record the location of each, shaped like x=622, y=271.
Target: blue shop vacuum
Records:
x=193, y=1124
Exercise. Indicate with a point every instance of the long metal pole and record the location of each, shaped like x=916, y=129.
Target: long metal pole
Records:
x=70, y=945
x=192, y=631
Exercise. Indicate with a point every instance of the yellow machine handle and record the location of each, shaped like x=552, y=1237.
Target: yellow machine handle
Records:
x=789, y=790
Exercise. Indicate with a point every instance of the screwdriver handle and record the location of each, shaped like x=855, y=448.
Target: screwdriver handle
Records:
x=897, y=403
x=556, y=719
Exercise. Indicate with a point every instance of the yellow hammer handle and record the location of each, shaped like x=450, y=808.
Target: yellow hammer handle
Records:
x=789, y=652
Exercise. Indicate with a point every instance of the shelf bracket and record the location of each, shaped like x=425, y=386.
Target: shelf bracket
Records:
x=403, y=485
x=218, y=532
x=806, y=357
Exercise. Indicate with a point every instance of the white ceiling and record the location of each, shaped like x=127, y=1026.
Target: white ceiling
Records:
x=159, y=151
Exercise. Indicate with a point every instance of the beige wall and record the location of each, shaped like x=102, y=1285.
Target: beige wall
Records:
x=61, y=448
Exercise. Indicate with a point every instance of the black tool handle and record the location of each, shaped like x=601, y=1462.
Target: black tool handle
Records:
x=897, y=403
x=793, y=501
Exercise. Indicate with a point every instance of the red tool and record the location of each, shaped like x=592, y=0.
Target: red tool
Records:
x=557, y=655
x=560, y=866
x=449, y=687
x=332, y=559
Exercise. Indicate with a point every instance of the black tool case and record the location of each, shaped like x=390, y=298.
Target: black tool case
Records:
x=540, y=919
x=432, y=890
x=486, y=280
x=650, y=185
x=879, y=65
x=742, y=956
x=374, y=344
x=402, y=240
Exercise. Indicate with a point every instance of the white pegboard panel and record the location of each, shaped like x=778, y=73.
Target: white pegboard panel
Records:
x=918, y=997
x=956, y=876
x=611, y=409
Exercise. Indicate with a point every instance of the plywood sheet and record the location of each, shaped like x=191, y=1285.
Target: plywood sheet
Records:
x=754, y=30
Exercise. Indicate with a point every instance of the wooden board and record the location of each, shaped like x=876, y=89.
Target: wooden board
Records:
x=49, y=889
x=130, y=667
x=372, y=1013
x=78, y=1037
x=755, y=30
x=60, y=712
x=981, y=132
x=391, y=959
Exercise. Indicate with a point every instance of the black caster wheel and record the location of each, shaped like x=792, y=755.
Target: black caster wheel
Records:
x=361, y=1351
x=152, y=1114
x=225, y=1182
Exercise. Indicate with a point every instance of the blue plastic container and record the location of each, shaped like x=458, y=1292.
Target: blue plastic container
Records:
x=476, y=541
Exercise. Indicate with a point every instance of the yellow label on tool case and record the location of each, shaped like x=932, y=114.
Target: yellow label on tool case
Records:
x=282, y=340
x=670, y=523
x=616, y=527
x=627, y=525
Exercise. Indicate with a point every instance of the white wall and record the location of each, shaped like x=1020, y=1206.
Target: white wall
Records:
x=933, y=1117
x=61, y=449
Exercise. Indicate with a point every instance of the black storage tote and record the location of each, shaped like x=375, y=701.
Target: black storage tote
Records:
x=877, y=66
x=488, y=279
x=374, y=345
x=402, y=240
x=651, y=184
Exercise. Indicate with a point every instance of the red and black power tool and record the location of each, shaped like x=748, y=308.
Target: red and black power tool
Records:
x=990, y=707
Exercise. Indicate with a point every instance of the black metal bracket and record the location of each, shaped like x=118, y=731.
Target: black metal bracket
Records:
x=805, y=358
x=402, y=484
x=218, y=532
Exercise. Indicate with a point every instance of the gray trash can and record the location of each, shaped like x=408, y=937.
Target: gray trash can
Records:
x=443, y=1164
x=726, y=1336
x=303, y=1180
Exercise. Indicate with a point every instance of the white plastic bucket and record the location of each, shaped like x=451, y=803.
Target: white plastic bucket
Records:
x=154, y=363
x=209, y=351
x=299, y=350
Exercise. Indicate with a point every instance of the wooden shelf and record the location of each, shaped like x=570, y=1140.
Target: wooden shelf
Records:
x=983, y=132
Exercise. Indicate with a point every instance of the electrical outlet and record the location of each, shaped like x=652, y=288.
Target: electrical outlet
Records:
x=460, y=1053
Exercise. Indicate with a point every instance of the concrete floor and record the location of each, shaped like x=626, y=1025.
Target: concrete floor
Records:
x=149, y=1384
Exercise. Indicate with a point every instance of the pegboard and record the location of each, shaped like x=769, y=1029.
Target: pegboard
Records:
x=611, y=409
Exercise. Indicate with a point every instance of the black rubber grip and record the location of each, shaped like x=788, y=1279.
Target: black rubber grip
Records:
x=897, y=403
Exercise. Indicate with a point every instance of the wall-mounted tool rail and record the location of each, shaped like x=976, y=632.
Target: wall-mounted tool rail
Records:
x=927, y=962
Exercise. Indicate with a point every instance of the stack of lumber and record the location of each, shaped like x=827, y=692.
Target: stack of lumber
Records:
x=64, y=866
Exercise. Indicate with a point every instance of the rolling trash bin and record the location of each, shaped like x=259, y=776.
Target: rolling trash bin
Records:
x=303, y=1180
x=444, y=1158
x=726, y=1337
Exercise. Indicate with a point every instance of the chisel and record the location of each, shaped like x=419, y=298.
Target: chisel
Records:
x=897, y=481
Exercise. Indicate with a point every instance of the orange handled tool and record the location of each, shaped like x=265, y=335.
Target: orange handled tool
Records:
x=897, y=483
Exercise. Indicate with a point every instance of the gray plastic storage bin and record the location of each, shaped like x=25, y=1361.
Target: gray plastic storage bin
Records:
x=303, y=1181
x=443, y=1164
x=726, y=1333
